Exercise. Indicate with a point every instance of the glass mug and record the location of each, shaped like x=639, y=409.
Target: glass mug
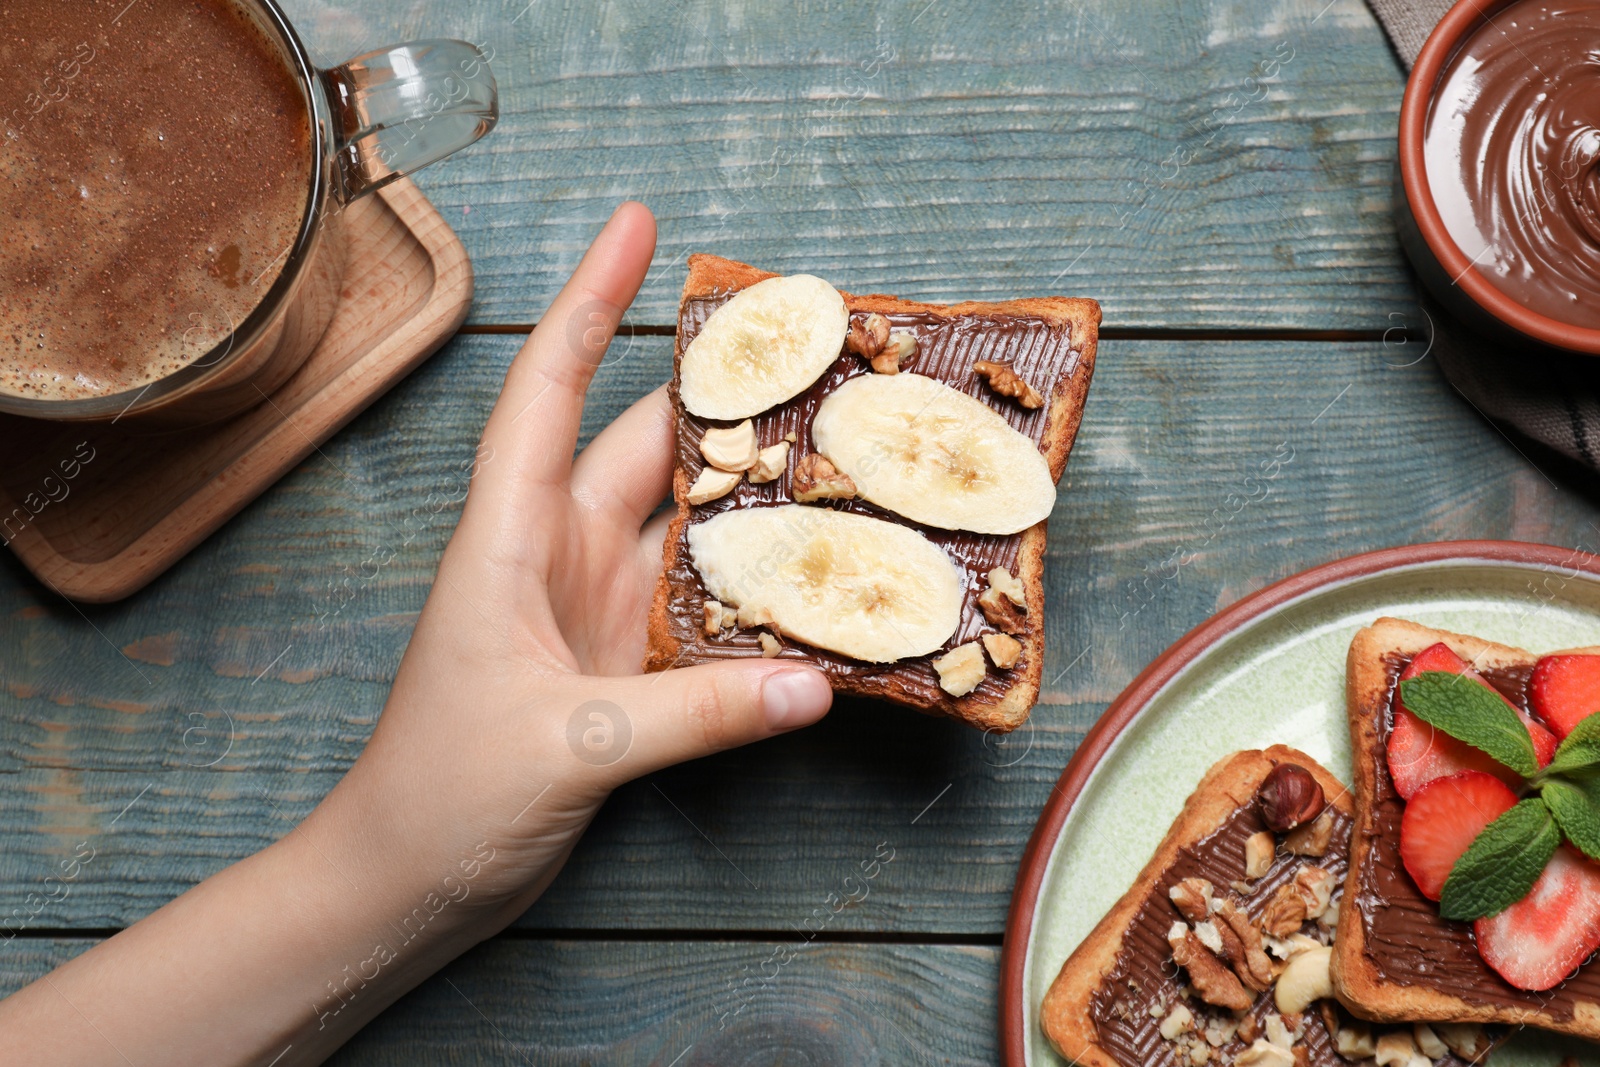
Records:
x=373, y=119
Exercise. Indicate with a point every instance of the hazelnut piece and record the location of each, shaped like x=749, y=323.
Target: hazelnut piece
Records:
x=769, y=645
x=1010, y=585
x=1313, y=838
x=1289, y=797
x=1259, y=850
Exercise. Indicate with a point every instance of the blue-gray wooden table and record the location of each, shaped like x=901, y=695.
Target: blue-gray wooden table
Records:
x=1217, y=173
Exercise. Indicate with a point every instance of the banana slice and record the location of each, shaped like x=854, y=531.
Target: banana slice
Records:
x=921, y=449
x=765, y=345
x=863, y=587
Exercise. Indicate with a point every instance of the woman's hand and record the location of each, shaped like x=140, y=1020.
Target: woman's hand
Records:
x=518, y=707
x=521, y=686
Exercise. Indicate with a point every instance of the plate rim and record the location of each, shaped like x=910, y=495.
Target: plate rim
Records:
x=1164, y=669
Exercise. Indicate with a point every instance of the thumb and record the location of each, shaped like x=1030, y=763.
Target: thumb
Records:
x=690, y=712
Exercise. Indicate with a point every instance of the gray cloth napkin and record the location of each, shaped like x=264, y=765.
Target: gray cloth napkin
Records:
x=1546, y=397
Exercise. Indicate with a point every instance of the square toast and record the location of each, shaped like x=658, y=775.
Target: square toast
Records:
x=1049, y=341
x=1395, y=956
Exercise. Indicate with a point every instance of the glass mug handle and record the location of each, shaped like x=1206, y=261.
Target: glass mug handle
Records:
x=400, y=108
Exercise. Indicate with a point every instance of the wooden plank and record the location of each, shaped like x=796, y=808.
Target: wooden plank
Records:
x=96, y=706
x=1195, y=163
x=684, y=1004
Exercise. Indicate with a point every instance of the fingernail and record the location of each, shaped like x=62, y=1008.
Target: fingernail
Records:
x=795, y=698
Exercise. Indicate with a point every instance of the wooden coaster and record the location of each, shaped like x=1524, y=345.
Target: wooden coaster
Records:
x=97, y=511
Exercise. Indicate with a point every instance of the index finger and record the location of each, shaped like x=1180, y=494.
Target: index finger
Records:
x=534, y=425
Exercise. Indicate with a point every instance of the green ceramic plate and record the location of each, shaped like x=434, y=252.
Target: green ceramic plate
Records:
x=1268, y=670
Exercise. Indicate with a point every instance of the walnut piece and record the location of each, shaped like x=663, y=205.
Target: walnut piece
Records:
x=769, y=645
x=1210, y=977
x=871, y=339
x=712, y=484
x=1242, y=946
x=816, y=478
x=1315, y=887
x=1004, y=650
x=1192, y=898
x=1286, y=911
x=1311, y=839
x=1011, y=586
x=730, y=448
x=770, y=463
x=1001, y=612
x=961, y=669
x=1005, y=381
x=1259, y=850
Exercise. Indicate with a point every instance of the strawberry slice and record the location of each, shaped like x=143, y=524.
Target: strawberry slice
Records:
x=1543, y=937
x=1565, y=690
x=1418, y=753
x=1442, y=818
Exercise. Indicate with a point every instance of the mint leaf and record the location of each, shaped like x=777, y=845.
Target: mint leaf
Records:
x=1580, y=748
x=1502, y=863
x=1575, y=803
x=1471, y=712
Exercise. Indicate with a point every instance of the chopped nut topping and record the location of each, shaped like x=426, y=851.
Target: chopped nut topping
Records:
x=1004, y=651
x=1265, y=1054
x=752, y=616
x=1211, y=978
x=1467, y=1040
x=816, y=478
x=1395, y=1049
x=1311, y=839
x=730, y=448
x=867, y=336
x=1259, y=850
x=1428, y=1042
x=1289, y=797
x=1315, y=887
x=1278, y=1031
x=1354, y=1042
x=1192, y=898
x=1304, y=979
x=1001, y=612
x=961, y=669
x=1248, y=1028
x=769, y=645
x=1005, y=381
x=712, y=484
x=714, y=615
x=1243, y=946
x=1011, y=586
x=770, y=463
x=871, y=339
x=1209, y=936
x=1179, y=1021
x=1285, y=913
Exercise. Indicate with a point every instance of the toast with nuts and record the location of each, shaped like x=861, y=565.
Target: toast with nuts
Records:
x=862, y=484
x=1219, y=952
x=1396, y=956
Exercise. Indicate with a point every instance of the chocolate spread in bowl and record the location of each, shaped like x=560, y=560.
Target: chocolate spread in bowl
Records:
x=1511, y=149
x=1406, y=941
x=1040, y=351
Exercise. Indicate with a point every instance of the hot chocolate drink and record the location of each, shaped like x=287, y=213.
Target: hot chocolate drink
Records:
x=155, y=169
